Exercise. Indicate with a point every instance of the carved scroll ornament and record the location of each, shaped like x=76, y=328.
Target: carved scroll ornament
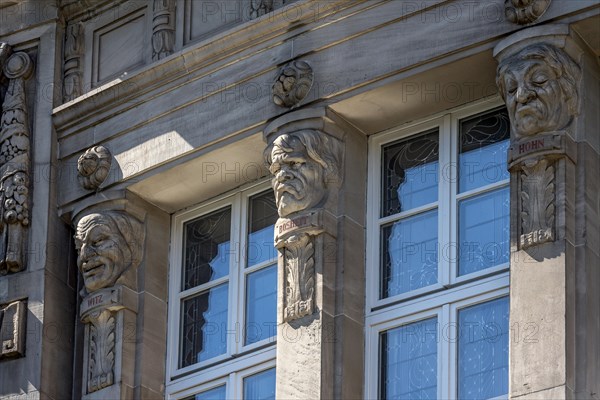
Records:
x=93, y=167
x=525, y=11
x=15, y=165
x=293, y=84
x=163, y=29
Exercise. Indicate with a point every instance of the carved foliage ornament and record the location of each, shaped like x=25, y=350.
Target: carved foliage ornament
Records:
x=101, y=348
x=260, y=7
x=163, y=29
x=293, y=84
x=15, y=164
x=537, y=203
x=93, y=167
x=109, y=244
x=525, y=11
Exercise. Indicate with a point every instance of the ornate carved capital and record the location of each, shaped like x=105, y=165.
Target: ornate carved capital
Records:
x=73, y=65
x=524, y=12
x=163, y=29
x=293, y=84
x=93, y=167
x=15, y=165
x=109, y=245
x=12, y=329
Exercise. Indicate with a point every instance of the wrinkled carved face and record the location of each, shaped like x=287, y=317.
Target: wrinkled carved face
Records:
x=298, y=179
x=535, y=100
x=103, y=252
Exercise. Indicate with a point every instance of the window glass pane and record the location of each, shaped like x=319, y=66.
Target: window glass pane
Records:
x=410, y=254
x=213, y=394
x=410, y=173
x=262, y=218
x=260, y=386
x=483, y=145
x=261, y=305
x=206, y=248
x=483, y=231
x=409, y=361
x=483, y=350
x=204, y=326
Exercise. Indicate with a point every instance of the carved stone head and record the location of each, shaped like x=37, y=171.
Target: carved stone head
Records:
x=304, y=164
x=108, y=243
x=539, y=86
x=93, y=167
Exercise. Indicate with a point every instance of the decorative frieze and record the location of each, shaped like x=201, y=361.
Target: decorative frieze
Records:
x=73, y=63
x=163, y=29
x=293, y=84
x=540, y=87
x=12, y=329
x=15, y=165
x=93, y=167
x=524, y=12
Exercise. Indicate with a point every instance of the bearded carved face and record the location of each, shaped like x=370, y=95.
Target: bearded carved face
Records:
x=535, y=98
x=298, y=181
x=103, y=252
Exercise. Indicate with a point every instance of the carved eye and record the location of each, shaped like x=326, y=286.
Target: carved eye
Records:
x=540, y=79
x=511, y=87
x=297, y=164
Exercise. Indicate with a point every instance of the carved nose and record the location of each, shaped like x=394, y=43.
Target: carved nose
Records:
x=283, y=175
x=86, y=252
x=524, y=94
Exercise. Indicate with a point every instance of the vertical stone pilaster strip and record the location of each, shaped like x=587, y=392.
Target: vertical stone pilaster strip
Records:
x=163, y=29
x=73, y=64
x=15, y=166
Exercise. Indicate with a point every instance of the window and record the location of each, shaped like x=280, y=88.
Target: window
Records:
x=223, y=299
x=438, y=253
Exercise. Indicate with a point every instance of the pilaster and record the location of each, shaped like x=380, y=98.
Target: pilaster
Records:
x=542, y=78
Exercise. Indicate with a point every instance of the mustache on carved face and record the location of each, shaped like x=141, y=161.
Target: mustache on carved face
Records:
x=289, y=187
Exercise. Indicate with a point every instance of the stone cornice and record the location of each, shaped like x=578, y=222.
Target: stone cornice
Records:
x=185, y=65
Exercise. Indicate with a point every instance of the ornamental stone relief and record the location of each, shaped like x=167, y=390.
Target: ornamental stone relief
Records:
x=163, y=29
x=540, y=87
x=73, y=62
x=93, y=167
x=305, y=165
x=293, y=84
x=525, y=11
x=15, y=165
x=12, y=329
x=259, y=8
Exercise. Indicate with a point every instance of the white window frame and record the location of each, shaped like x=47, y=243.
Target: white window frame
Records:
x=238, y=359
x=451, y=293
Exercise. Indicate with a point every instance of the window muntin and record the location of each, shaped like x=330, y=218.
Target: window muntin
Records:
x=464, y=226
x=219, y=393
x=223, y=293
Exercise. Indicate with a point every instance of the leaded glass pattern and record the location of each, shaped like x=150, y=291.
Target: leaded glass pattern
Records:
x=410, y=173
x=204, y=324
x=206, y=248
x=409, y=361
x=484, y=140
x=483, y=350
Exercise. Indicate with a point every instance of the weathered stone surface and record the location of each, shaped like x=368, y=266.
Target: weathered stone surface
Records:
x=525, y=11
x=12, y=329
x=93, y=167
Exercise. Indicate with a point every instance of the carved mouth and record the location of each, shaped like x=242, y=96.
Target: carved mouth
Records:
x=283, y=188
x=91, y=268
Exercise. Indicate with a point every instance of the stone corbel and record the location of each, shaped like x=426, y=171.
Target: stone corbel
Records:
x=305, y=156
x=539, y=82
x=15, y=165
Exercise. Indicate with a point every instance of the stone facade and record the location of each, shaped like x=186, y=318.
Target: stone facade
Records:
x=117, y=117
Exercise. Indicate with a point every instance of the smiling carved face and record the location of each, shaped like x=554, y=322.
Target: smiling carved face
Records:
x=298, y=179
x=103, y=253
x=534, y=98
